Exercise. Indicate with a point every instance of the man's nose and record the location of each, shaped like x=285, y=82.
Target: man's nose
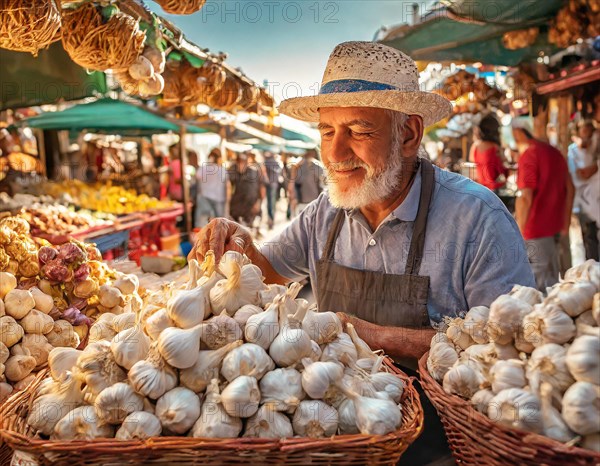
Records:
x=340, y=149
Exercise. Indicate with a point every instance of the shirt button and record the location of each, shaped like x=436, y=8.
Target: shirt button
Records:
x=372, y=242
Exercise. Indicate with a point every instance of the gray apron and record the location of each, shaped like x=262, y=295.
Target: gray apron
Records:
x=380, y=298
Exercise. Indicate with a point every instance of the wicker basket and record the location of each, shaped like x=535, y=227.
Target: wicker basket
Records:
x=250, y=97
x=228, y=97
x=181, y=7
x=339, y=450
x=98, y=44
x=29, y=25
x=200, y=83
x=476, y=440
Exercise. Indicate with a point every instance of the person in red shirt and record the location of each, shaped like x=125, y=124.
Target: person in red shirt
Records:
x=543, y=208
x=485, y=152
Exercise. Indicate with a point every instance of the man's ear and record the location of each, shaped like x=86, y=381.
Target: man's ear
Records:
x=413, y=134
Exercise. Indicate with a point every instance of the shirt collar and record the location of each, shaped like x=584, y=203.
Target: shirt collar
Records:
x=407, y=211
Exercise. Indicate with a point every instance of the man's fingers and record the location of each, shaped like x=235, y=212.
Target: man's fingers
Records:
x=217, y=239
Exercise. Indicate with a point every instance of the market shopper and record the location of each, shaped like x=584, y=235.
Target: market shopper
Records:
x=543, y=207
x=274, y=170
x=247, y=190
x=485, y=152
x=211, y=179
x=307, y=177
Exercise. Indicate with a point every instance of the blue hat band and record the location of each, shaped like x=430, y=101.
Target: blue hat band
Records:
x=354, y=85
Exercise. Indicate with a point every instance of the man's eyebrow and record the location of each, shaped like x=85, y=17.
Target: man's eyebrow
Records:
x=355, y=122
x=321, y=126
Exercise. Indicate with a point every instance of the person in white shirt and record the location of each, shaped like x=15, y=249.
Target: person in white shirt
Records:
x=212, y=190
x=583, y=166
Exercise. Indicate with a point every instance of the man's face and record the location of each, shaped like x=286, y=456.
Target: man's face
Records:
x=356, y=147
x=585, y=132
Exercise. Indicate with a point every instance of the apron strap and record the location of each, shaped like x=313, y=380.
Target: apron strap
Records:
x=338, y=221
x=417, y=243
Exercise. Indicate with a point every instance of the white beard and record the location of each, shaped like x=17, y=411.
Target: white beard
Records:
x=375, y=186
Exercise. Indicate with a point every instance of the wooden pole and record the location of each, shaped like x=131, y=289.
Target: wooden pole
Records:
x=185, y=187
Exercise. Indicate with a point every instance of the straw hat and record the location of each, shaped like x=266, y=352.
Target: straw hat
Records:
x=368, y=74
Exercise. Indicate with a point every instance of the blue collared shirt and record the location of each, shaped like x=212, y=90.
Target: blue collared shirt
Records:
x=473, y=249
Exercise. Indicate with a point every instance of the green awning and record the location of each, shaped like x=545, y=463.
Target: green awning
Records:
x=472, y=30
x=26, y=81
x=107, y=116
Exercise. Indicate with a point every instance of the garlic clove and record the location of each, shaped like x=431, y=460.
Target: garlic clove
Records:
x=43, y=302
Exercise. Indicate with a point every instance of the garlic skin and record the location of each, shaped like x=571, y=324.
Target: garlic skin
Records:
x=226, y=264
x=18, y=367
x=548, y=323
x=247, y=359
x=282, y=389
x=82, y=424
x=268, y=295
x=574, y=297
x=178, y=410
x=588, y=271
x=581, y=408
x=102, y=330
x=347, y=418
x=152, y=377
x=43, y=302
x=475, y=324
x=462, y=380
x=116, y=402
x=315, y=419
x=239, y=289
x=220, y=330
x=180, y=347
x=481, y=400
x=388, y=383
x=507, y=374
x=527, y=294
x=63, y=334
x=37, y=322
x=127, y=283
x=110, y=296
x=363, y=351
x=8, y=282
x=10, y=331
x=339, y=347
x=18, y=303
x=206, y=368
x=130, y=346
x=440, y=337
x=37, y=346
x=583, y=359
x=317, y=377
x=157, y=322
x=241, y=397
x=262, y=328
x=268, y=423
x=124, y=321
x=322, y=327
x=548, y=363
x=375, y=416
x=517, y=408
x=61, y=360
x=442, y=357
x=554, y=425
x=140, y=425
x=214, y=422
x=506, y=314
x=461, y=339
x=188, y=308
x=96, y=366
x=242, y=315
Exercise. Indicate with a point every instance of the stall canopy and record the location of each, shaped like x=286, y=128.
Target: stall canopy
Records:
x=108, y=116
x=472, y=30
x=26, y=81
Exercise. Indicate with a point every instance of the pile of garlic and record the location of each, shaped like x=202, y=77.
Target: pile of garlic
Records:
x=529, y=361
x=227, y=356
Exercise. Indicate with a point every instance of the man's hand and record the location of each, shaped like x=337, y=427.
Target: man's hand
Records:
x=219, y=236
x=366, y=330
x=587, y=172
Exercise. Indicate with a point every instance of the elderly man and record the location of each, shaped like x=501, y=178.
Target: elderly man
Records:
x=395, y=244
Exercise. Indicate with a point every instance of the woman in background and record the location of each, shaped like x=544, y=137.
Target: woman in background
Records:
x=485, y=152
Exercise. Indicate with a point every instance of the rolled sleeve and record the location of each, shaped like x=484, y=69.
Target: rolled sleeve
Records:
x=497, y=262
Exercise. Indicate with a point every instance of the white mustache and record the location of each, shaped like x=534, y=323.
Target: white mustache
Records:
x=347, y=165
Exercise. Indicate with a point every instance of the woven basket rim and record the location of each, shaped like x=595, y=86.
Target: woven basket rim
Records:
x=19, y=441
x=482, y=421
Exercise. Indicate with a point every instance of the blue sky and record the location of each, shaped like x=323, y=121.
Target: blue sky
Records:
x=286, y=42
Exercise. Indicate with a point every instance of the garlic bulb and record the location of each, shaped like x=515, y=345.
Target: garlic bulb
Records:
x=347, y=418
x=10, y=331
x=475, y=324
x=481, y=400
x=440, y=337
x=247, y=359
x=43, y=302
x=38, y=347
x=37, y=322
x=5, y=391
x=268, y=423
x=363, y=351
x=591, y=442
x=18, y=367
x=573, y=297
x=214, y=422
x=554, y=425
x=242, y=315
x=102, y=330
x=180, y=347
x=581, y=408
x=116, y=402
x=206, y=368
x=339, y=347
x=459, y=338
x=388, y=383
x=61, y=360
x=49, y=408
x=220, y=330
x=588, y=271
x=282, y=388
x=506, y=315
x=268, y=295
x=157, y=322
x=4, y=353
x=18, y=303
x=462, y=380
x=241, y=397
x=130, y=346
x=140, y=425
x=317, y=377
x=262, y=328
x=442, y=357
x=507, y=374
x=583, y=359
x=124, y=321
x=374, y=416
x=526, y=294
x=178, y=410
x=517, y=408
x=505, y=352
x=548, y=364
x=226, y=264
x=239, y=289
x=110, y=296
x=548, y=323
x=63, y=334
x=97, y=367
x=127, y=283
x=152, y=377
x=188, y=308
x=315, y=351
x=291, y=344
x=315, y=419
x=322, y=327
x=8, y=282
x=82, y=424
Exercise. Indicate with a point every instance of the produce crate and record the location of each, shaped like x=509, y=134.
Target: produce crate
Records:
x=476, y=440
x=358, y=450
